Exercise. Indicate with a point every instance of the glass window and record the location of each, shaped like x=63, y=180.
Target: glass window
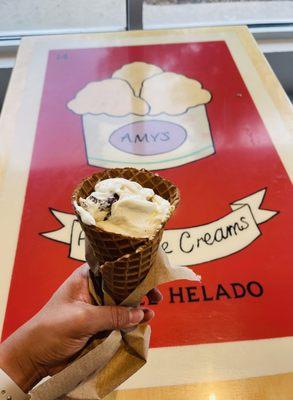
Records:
x=184, y=13
x=29, y=17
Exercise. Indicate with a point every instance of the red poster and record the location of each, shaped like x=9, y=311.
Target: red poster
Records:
x=234, y=224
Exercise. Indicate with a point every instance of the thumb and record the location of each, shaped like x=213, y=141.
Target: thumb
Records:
x=103, y=318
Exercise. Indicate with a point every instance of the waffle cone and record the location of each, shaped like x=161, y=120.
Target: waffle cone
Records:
x=124, y=261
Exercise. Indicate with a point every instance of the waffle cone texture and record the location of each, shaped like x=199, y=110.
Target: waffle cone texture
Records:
x=124, y=261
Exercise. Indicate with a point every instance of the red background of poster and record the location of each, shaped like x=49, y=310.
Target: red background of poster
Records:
x=245, y=162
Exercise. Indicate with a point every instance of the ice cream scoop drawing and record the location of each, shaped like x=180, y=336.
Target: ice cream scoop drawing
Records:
x=144, y=117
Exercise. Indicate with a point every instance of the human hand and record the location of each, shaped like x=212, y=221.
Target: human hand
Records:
x=44, y=345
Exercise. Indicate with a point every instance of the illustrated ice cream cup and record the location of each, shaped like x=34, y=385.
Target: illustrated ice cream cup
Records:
x=144, y=118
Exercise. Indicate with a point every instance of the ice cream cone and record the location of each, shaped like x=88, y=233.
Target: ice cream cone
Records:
x=124, y=261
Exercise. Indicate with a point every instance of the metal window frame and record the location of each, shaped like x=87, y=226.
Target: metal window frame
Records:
x=134, y=15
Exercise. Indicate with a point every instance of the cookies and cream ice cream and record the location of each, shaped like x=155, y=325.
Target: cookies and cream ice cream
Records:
x=125, y=207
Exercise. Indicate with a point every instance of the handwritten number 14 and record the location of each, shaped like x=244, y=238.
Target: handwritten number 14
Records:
x=62, y=56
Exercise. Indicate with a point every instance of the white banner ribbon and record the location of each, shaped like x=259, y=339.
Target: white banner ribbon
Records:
x=187, y=246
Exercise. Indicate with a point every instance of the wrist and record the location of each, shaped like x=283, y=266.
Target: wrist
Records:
x=16, y=362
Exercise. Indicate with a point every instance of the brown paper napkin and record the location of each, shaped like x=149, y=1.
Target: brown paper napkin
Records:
x=109, y=362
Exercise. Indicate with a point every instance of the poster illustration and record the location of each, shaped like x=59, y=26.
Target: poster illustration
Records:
x=158, y=119
x=183, y=110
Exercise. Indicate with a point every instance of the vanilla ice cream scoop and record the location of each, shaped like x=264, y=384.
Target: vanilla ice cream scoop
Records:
x=110, y=96
x=135, y=73
x=125, y=207
x=172, y=93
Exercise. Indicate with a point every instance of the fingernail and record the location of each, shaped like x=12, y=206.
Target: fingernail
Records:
x=145, y=309
x=149, y=313
x=136, y=315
